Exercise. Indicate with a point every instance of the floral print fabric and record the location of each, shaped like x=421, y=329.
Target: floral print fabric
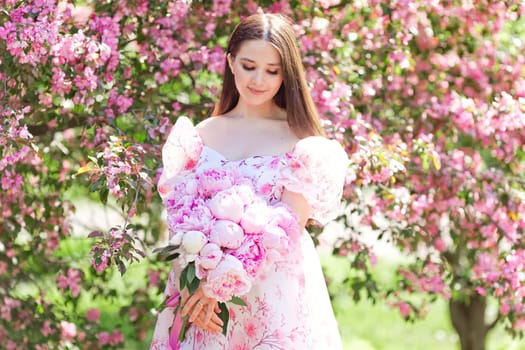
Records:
x=289, y=308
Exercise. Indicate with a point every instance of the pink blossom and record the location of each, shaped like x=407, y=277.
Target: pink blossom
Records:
x=93, y=315
x=221, y=7
x=104, y=338
x=519, y=324
x=68, y=330
x=71, y=280
x=404, y=308
x=153, y=278
x=47, y=329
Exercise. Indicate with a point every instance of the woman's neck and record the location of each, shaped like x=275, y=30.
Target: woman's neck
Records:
x=268, y=111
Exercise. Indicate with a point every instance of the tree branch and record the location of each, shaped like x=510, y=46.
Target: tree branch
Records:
x=493, y=323
x=42, y=129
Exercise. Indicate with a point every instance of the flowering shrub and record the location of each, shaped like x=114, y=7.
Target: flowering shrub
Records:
x=426, y=96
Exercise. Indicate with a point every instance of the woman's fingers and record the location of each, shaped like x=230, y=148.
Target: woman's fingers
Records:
x=209, y=312
x=202, y=310
x=211, y=326
x=216, y=320
x=203, y=316
x=201, y=306
x=190, y=303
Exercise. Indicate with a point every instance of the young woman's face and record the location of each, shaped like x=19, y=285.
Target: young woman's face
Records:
x=257, y=71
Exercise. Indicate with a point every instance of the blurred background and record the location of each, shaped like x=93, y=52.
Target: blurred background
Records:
x=427, y=97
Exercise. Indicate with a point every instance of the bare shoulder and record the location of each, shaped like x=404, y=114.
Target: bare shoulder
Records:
x=210, y=126
x=207, y=123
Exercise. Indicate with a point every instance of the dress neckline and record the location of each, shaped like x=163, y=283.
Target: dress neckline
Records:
x=227, y=160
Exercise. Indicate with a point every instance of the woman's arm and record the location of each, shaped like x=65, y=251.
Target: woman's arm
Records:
x=298, y=204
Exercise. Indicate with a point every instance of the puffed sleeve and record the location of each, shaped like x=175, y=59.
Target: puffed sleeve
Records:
x=316, y=168
x=180, y=152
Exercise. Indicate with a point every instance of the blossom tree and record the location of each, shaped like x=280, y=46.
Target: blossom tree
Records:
x=426, y=96
x=454, y=104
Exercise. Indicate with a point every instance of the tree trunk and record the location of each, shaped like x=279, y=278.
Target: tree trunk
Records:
x=468, y=318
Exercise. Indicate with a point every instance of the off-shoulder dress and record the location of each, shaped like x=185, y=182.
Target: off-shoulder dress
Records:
x=289, y=308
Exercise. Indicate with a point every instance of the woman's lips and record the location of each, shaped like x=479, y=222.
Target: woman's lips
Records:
x=256, y=92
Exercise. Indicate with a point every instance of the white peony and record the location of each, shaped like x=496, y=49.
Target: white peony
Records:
x=193, y=241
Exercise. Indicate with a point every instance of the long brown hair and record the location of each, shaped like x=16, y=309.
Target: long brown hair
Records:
x=293, y=95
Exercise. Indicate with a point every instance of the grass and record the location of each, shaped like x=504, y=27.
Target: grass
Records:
x=365, y=326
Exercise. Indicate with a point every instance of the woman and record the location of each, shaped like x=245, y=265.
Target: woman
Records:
x=265, y=123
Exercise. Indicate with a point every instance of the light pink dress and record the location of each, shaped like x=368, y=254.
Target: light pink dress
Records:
x=289, y=308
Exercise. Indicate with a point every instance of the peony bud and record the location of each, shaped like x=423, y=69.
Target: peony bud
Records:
x=226, y=233
x=193, y=241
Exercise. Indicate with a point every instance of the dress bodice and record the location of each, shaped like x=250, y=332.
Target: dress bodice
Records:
x=263, y=171
x=315, y=168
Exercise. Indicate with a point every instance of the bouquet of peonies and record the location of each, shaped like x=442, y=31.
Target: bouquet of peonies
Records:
x=223, y=235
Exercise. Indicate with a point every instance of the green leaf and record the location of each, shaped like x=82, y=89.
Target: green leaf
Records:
x=172, y=256
x=182, y=278
x=190, y=274
x=224, y=315
x=104, y=195
x=95, y=234
x=121, y=267
x=183, y=329
x=165, y=250
x=193, y=285
x=237, y=301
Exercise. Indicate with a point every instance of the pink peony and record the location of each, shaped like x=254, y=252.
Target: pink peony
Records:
x=212, y=181
x=252, y=254
x=275, y=238
x=227, y=234
x=246, y=193
x=227, y=205
x=209, y=257
x=285, y=218
x=255, y=217
x=193, y=241
x=228, y=279
x=182, y=193
x=194, y=217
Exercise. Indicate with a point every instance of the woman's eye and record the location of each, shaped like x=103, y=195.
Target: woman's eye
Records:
x=273, y=72
x=248, y=68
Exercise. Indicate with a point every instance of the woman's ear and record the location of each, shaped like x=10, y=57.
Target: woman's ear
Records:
x=229, y=57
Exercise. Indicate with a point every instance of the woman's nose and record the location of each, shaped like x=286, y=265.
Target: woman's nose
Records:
x=258, y=75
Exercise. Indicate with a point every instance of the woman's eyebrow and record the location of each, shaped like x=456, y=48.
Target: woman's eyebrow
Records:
x=252, y=61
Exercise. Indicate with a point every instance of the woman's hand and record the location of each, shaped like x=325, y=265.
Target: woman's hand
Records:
x=202, y=310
